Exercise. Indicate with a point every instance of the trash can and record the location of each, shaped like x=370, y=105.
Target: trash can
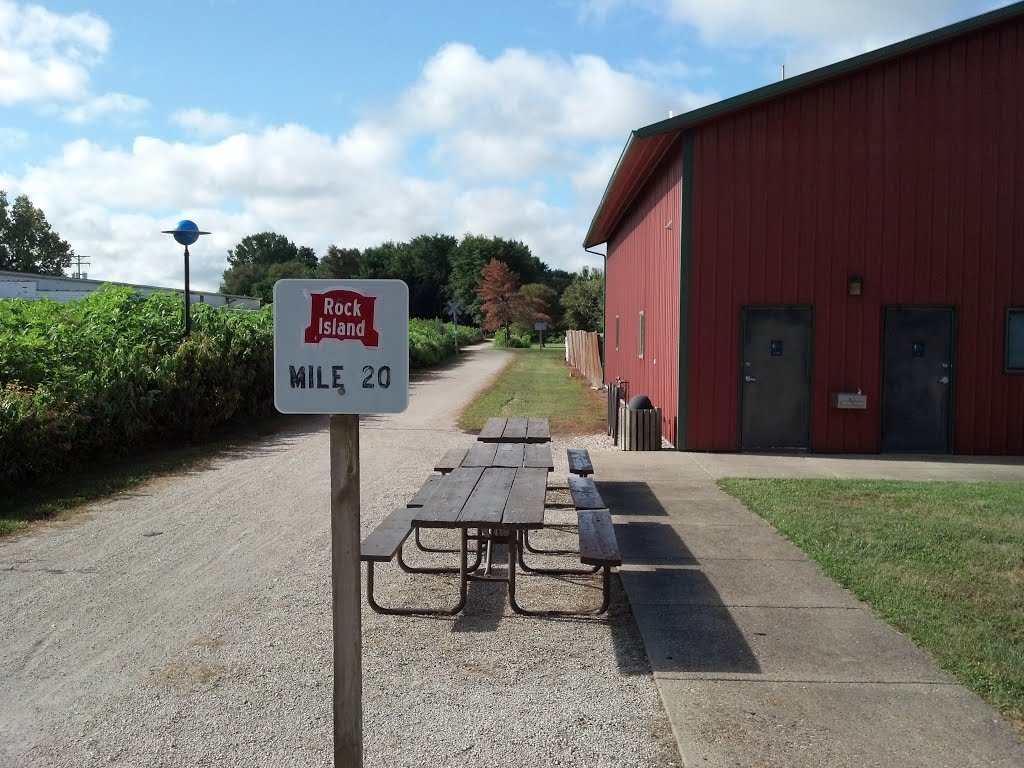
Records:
x=639, y=425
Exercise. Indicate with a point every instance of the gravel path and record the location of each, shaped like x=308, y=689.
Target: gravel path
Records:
x=187, y=623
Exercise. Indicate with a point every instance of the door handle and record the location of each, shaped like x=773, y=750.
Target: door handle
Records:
x=944, y=380
x=749, y=378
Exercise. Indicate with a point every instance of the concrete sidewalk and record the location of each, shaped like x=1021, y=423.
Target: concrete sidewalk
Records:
x=762, y=660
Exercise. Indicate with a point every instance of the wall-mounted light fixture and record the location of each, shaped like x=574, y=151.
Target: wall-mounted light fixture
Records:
x=854, y=285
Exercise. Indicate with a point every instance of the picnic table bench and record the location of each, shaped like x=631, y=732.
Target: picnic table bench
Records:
x=579, y=461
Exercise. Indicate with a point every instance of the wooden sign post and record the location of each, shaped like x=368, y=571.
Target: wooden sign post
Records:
x=346, y=604
x=341, y=347
x=454, y=309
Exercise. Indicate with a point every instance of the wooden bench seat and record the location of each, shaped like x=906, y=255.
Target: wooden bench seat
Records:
x=598, y=545
x=584, y=494
x=387, y=538
x=579, y=462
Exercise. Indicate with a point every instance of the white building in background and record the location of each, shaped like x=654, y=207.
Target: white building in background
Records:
x=25, y=285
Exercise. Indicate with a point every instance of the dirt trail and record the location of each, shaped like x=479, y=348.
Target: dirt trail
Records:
x=90, y=609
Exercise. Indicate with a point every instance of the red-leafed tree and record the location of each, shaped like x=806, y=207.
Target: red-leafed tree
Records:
x=498, y=291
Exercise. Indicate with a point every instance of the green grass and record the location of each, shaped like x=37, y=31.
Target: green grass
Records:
x=539, y=383
x=942, y=562
x=62, y=499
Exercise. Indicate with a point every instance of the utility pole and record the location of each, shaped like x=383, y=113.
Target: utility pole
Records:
x=78, y=263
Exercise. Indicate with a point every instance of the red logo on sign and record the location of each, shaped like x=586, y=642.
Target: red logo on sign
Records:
x=341, y=315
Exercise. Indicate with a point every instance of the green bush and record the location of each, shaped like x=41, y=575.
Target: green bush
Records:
x=107, y=374
x=110, y=373
x=513, y=340
x=432, y=341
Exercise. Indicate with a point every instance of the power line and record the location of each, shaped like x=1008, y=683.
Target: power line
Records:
x=78, y=263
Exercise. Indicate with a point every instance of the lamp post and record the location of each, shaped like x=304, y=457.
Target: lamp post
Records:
x=186, y=233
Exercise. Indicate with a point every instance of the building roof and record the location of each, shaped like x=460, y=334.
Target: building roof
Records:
x=63, y=283
x=646, y=146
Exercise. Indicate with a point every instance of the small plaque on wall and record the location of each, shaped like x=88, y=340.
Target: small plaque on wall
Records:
x=851, y=401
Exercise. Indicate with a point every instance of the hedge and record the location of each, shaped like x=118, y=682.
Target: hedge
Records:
x=110, y=373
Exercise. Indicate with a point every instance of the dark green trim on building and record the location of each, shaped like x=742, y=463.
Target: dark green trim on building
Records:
x=688, y=119
x=685, y=259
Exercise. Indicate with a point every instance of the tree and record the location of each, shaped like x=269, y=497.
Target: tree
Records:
x=264, y=248
x=264, y=287
x=470, y=256
x=378, y=262
x=430, y=263
x=251, y=261
x=27, y=243
x=583, y=301
x=540, y=304
x=498, y=291
x=339, y=263
x=557, y=279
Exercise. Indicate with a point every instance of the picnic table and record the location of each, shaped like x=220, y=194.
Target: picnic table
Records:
x=515, y=430
x=492, y=491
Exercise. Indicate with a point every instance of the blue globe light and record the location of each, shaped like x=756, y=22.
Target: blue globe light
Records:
x=186, y=232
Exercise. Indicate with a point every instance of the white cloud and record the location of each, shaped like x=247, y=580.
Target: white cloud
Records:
x=596, y=10
x=46, y=56
x=821, y=21
x=103, y=106
x=202, y=123
x=810, y=33
x=494, y=127
x=522, y=112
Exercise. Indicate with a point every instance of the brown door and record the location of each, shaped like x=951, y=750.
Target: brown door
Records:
x=917, y=379
x=775, y=378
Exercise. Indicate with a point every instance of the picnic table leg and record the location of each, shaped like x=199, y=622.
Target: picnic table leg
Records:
x=554, y=571
x=526, y=544
x=432, y=569
x=512, y=558
x=423, y=547
x=463, y=561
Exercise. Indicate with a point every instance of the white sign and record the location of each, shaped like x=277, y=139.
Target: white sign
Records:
x=341, y=346
x=454, y=308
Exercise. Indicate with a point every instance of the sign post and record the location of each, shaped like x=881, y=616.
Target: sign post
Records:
x=341, y=347
x=540, y=327
x=454, y=309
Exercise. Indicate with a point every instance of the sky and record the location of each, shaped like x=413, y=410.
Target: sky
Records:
x=356, y=122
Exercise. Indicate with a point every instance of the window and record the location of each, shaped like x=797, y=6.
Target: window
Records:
x=616, y=333
x=641, y=335
x=1015, y=340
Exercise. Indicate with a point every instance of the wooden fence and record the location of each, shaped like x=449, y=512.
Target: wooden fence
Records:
x=583, y=352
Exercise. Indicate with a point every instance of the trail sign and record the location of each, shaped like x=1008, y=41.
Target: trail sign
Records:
x=455, y=309
x=341, y=346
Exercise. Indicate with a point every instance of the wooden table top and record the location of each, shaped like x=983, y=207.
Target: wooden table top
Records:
x=515, y=430
x=474, y=497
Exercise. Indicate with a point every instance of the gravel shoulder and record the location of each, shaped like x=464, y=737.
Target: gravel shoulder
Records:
x=187, y=623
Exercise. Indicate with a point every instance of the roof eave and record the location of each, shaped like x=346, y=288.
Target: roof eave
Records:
x=587, y=241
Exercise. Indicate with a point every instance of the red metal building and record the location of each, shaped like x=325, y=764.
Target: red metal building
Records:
x=834, y=262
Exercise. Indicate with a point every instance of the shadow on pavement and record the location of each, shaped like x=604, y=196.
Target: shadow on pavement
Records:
x=626, y=497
